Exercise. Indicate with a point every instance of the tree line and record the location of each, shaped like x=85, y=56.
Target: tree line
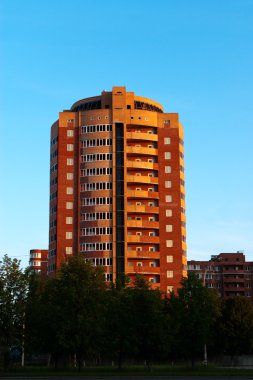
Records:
x=77, y=318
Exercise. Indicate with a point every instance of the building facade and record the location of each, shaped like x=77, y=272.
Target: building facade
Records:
x=229, y=273
x=38, y=261
x=117, y=191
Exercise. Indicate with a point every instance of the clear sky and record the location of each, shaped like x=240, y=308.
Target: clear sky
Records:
x=195, y=57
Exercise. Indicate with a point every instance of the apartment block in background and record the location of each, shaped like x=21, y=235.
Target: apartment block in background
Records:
x=229, y=273
x=117, y=193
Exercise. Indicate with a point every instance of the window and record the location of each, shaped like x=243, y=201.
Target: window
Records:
x=70, y=161
x=151, y=233
x=70, y=176
x=169, y=288
x=70, y=147
x=167, y=155
x=70, y=133
x=168, y=212
x=68, y=250
x=167, y=184
x=68, y=235
x=139, y=264
x=151, y=218
x=166, y=140
x=69, y=205
x=170, y=274
x=167, y=169
x=169, y=243
x=168, y=228
x=169, y=259
x=69, y=220
x=139, y=233
x=168, y=198
x=69, y=190
x=138, y=203
x=138, y=248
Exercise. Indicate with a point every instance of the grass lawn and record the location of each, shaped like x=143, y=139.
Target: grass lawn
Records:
x=156, y=370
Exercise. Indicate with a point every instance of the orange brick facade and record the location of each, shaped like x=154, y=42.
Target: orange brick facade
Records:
x=117, y=191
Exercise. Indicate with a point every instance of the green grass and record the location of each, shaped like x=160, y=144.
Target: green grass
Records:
x=156, y=370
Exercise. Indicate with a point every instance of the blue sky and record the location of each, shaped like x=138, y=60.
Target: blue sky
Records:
x=195, y=57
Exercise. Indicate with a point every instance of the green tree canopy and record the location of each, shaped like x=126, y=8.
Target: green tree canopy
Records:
x=13, y=295
x=193, y=314
x=237, y=326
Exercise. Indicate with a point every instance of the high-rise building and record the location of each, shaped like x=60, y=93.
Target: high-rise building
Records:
x=229, y=273
x=117, y=191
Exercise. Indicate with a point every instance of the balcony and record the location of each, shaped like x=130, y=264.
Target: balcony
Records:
x=142, y=150
x=142, y=209
x=144, y=254
x=141, y=136
x=142, y=224
x=234, y=279
x=143, y=239
x=141, y=179
x=142, y=194
x=234, y=288
x=142, y=165
x=145, y=269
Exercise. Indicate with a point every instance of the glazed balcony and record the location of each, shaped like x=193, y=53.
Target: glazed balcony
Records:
x=96, y=239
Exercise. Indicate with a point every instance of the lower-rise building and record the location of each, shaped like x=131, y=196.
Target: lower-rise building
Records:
x=38, y=261
x=229, y=273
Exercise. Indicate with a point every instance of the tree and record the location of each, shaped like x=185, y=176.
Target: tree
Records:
x=72, y=307
x=13, y=295
x=193, y=313
x=236, y=326
x=148, y=321
x=118, y=327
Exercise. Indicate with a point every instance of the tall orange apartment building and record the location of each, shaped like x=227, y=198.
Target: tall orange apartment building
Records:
x=117, y=191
